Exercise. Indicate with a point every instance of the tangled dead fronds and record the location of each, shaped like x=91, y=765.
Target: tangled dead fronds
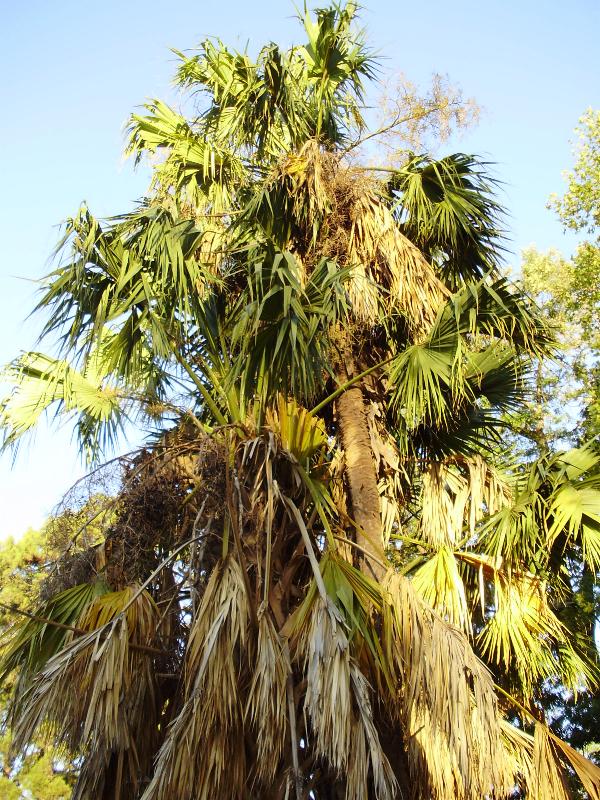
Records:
x=284, y=661
x=449, y=705
x=352, y=223
x=108, y=714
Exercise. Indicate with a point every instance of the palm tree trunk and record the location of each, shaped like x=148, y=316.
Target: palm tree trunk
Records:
x=360, y=469
x=361, y=478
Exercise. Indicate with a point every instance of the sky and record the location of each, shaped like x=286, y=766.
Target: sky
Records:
x=72, y=72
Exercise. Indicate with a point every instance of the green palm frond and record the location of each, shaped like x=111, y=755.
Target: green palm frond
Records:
x=301, y=434
x=249, y=102
x=526, y=636
x=205, y=173
x=32, y=642
x=338, y=62
x=441, y=586
x=280, y=99
x=90, y=395
x=140, y=272
x=471, y=367
x=556, y=506
x=498, y=309
x=281, y=325
x=449, y=211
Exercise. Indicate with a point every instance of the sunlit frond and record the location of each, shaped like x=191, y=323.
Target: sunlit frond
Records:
x=199, y=171
x=114, y=701
x=450, y=692
x=524, y=635
x=42, y=384
x=556, y=504
x=387, y=269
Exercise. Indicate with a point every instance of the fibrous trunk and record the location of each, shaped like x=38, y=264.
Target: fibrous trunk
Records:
x=360, y=469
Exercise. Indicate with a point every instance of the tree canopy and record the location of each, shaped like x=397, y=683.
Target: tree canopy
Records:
x=324, y=576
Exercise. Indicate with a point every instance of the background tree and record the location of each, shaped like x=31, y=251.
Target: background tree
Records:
x=43, y=772
x=319, y=579
x=565, y=408
x=567, y=289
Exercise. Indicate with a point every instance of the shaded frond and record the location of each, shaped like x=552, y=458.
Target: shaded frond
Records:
x=448, y=209
x=32, y=642
x=281, y=326
x=114, y=704
x=190, y=762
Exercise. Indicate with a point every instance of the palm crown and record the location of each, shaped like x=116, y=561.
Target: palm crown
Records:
x=350, y=588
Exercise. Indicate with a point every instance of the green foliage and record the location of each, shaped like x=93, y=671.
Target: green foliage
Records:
x=568, y=291
x=281, y=599
x=579, y=209
x=448, y=209
x=42, y=771
x=566, y=408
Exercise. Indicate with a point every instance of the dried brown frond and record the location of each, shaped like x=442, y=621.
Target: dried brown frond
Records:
x=364, y=728
x=203, y=755
x=307, y=183
x=539, y=763
x=587, y=772
x=341, y=729
x=357, y=229
x=382, y=258
x=547, y=778
x=455, y=495
x=518, y=746
x=323, y=645
x=266, y=703
x=114, y=706
x=449, y=707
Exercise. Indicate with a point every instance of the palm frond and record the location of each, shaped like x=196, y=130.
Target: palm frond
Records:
x=556, y=505
x=448, y=209
x=387, y=269
x=447, y=690
x=198, y=170
x=189, y=763
x=115, y=698
x=41, y=383
x=337, y=62
x=139, y=274
x=439, y=582
x=31, y=643
x=281, y=326
x=456, y=494
x=547, y=777
x=266, y=704
x=524, y=635
x=587, y=772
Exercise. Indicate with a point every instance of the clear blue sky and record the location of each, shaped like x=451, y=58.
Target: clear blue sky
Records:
x=71, y=73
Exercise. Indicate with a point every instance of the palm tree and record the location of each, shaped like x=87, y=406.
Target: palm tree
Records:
x=322, y=578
